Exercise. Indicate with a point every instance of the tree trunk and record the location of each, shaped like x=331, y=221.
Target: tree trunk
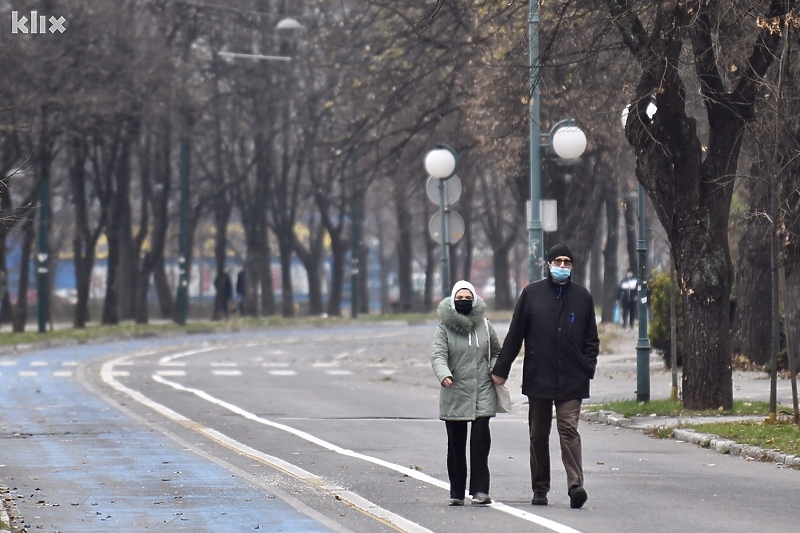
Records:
x=287, y=290
x=630, y=205
x=752, y=328
x=610, y=255
x=21, y=309
x=338, y=260
x=128, y=265
x=405, y=252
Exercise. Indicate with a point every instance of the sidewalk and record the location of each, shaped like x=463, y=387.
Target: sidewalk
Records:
x=616, y=379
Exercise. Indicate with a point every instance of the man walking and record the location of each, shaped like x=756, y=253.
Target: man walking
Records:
x=555, y=318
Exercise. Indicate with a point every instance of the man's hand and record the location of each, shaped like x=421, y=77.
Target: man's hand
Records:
x=446, y=382
x=498, y=380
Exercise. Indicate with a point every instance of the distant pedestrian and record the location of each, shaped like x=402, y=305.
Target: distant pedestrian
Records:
x=224, y=289
x=465, y=347
x=555, y=319
x=627, y=296
x=240, y=290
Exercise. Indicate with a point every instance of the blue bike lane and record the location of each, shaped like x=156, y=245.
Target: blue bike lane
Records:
x=72, y=462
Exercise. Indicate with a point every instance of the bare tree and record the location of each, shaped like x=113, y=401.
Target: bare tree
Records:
x=689, y=179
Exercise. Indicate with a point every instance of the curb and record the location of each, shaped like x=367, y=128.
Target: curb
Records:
x=704, y=440
x=5, y=521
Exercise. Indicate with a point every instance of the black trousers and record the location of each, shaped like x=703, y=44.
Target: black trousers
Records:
x=480, y=442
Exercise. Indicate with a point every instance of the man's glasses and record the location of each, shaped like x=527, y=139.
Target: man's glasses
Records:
x=561, y=262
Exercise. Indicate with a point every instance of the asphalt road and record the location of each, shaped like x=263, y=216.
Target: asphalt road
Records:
x=330, y=429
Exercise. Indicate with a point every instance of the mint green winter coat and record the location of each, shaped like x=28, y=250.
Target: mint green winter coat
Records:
x=461, y=351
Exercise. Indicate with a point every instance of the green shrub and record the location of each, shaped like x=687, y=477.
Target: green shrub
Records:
x=659, y=330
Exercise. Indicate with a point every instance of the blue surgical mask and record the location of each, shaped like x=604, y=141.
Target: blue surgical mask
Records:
x=560, y=274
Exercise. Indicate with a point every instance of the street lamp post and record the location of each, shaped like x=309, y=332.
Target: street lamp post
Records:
x=441, y=163
x=355, y=252
x=535, y=233
x=565, y=139
x=182, y=296
x=42, y=258
x=643, y=343
x=183, y=278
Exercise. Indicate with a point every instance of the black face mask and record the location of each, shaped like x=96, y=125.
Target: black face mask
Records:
x=463, y=306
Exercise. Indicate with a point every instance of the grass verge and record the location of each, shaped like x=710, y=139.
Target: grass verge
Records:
x=781, y=435
x=128, y=329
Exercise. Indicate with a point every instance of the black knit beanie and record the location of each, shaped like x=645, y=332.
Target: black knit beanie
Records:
x=559, y=250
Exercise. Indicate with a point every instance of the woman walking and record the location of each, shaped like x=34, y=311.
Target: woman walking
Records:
x=465, y=348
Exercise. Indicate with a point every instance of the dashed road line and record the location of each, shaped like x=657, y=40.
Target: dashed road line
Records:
x=227, y=372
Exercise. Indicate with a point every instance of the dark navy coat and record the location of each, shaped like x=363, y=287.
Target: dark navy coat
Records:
x=557, y=324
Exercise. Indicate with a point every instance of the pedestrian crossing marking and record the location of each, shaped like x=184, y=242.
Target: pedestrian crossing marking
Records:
x=282, y=373
x=227, y=372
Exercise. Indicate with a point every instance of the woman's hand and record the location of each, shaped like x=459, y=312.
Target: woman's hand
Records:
x=446, y=382
x=498, y=380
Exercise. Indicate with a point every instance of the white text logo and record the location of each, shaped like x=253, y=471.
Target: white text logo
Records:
x=38, y=23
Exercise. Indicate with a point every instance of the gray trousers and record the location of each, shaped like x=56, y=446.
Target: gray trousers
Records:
x=540, y=420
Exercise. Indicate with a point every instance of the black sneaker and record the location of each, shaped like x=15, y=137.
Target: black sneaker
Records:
x=577, y=497
x=539, y=498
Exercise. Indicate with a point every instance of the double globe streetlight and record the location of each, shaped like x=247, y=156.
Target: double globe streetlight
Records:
x=440, y=163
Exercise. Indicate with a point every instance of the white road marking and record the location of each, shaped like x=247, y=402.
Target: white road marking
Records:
x=356, y=501
x=171, y=363
x=227, y=372
x=62, y=373
x=338, y=372
x=28, y=373
x=170, y=358
x=282, y=373
x=530, y=517
x=8, y=363
x=69, y=363
x=39, y=363
x=224, y=363
x=171, y=372
x=283, y=365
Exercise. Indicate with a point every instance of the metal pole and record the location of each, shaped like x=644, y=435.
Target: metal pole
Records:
x=355, y=252
x=643, y=345
x=183, y=283
x=535, y=233
x=42, y=258
x=445, y=265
